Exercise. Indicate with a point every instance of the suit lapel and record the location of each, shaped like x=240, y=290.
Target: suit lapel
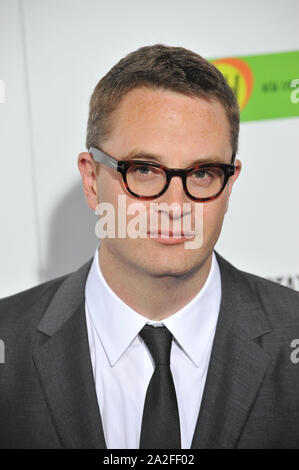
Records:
x=237, y=365
x=62, y=359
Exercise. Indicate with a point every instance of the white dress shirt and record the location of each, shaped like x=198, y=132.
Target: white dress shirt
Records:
x=122, y=365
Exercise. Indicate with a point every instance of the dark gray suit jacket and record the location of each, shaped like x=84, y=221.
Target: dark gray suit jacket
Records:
x=251, y=395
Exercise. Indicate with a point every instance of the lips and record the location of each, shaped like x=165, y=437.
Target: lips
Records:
x=170, y=238
x=171, y=234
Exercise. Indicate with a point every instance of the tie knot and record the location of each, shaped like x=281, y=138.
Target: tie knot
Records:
x=158, y=339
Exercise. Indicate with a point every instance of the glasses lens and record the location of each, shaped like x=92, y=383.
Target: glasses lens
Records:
x=145, y=180
x=205, y=182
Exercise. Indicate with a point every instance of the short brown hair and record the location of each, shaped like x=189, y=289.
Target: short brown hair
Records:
x=159, y=67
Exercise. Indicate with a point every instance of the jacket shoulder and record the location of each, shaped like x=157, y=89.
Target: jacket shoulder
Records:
x=274, y=295
x=22, y=312
x=28, y=306
x=280, y=303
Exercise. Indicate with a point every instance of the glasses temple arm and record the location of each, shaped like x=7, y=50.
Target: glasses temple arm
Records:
x=102, y=157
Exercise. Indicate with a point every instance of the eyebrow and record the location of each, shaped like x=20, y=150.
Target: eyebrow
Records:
x=159, y=159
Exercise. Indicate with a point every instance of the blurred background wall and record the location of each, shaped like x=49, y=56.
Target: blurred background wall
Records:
x=52, y=54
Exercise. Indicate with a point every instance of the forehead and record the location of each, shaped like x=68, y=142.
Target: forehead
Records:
x=143, y=101
x=147, y=117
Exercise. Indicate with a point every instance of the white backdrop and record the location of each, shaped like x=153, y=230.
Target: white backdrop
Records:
x=52, y=54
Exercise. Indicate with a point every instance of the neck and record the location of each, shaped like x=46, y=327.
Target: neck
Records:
x=135, y=287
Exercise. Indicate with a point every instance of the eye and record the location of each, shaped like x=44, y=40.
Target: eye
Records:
x=200, y=173
x=205, y=176
x=142, y=169
x=145, y=171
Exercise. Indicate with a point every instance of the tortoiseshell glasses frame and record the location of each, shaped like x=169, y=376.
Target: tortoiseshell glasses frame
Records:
x=122, y=166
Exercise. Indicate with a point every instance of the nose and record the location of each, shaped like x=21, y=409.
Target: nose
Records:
x=175, y=196
x=175, y=191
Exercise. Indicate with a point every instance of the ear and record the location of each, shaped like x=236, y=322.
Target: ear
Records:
x=87, y=170
x=231, y=181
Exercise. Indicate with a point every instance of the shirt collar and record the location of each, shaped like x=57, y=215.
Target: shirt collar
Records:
x=117, y=324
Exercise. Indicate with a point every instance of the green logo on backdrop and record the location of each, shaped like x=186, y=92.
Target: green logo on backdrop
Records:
x=266, y=85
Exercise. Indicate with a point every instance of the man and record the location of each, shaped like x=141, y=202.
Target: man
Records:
x=155, y=342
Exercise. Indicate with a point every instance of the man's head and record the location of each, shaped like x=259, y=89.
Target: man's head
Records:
x=171, y=103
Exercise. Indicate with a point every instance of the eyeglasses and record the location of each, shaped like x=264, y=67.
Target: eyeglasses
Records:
x=149, y=180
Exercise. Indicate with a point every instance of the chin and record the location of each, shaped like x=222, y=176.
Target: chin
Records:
x=172, y=269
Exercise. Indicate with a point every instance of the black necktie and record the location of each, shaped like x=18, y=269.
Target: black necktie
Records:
x=160, y=421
